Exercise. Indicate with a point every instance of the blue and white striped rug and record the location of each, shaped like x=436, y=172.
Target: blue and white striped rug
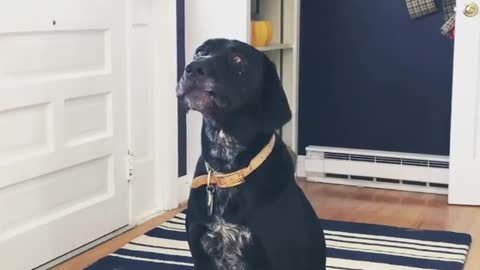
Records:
x=351, y=246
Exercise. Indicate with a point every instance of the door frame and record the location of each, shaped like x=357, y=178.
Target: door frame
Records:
x=165, y=129
x=168, y=191
x=464, y=145
x=165, y=104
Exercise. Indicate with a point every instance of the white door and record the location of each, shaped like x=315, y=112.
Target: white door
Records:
x=464, y=181
x=62, y=127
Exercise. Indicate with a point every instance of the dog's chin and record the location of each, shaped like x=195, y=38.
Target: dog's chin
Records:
x=200, y=101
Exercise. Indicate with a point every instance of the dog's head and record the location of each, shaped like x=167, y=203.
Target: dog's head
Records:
x=228, y=79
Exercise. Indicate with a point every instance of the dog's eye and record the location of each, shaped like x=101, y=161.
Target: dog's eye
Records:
x=237, y=59
x=201, y=52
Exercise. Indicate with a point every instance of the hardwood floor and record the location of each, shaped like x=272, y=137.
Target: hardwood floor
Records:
x=394, y=208
x=91, y=256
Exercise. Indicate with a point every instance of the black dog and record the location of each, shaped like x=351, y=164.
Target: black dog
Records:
x=266, y=221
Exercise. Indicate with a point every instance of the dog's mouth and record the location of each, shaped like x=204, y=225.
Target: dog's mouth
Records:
x=186, y=86
x=198, y=96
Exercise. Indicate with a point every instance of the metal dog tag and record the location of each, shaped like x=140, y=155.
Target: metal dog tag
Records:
x=210, y=191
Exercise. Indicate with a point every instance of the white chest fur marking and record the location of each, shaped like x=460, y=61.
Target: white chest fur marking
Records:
x=226, y=147
x=225, y=242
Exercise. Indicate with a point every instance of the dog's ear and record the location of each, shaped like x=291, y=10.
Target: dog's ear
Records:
x=275, y=109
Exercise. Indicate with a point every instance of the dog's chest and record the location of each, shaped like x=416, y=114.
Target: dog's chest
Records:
x=224, y=147
x=226, y=242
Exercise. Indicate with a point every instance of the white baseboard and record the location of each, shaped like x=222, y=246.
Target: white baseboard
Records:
x=378, y=185
x=183, y=190
x=149, y=215
x=300, y=169
x=83, y=249
x=377, y=169
x=184, y=187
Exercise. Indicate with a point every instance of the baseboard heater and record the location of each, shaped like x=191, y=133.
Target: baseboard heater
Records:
x=377, y=169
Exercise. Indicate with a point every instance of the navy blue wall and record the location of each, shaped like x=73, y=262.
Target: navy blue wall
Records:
x=372, y=78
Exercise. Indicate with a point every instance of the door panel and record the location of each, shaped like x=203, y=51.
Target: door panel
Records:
x=62, y=113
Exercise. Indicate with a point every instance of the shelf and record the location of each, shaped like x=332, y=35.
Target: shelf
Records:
x=274, y=47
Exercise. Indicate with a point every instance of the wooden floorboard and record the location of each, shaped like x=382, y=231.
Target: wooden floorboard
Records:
x=93, y=255
x=394, y=208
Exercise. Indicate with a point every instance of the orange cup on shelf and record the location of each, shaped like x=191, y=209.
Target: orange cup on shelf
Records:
x=262, y=33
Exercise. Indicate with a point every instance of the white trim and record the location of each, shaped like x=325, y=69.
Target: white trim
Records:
x=379, y=185
x=127, y=27
x=149, y=215
x=184, y=187
x=163, y=185
x=465, y=111
x=296, y=75
x=378, y=170
x=315, y=148
x=376, y=173
x=84, y=248
x=275, y=47
x=165, y=108
x=300, y=170
x=248, y=22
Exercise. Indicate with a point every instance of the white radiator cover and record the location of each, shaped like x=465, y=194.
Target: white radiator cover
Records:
x=377, y=169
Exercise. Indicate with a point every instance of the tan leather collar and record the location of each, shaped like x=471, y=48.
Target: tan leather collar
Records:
x=238, y=177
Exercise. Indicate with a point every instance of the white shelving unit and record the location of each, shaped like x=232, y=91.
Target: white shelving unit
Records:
x=283, y=51
x=274, y=47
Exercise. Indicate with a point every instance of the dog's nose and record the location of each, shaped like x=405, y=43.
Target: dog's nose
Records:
x=195, y=69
